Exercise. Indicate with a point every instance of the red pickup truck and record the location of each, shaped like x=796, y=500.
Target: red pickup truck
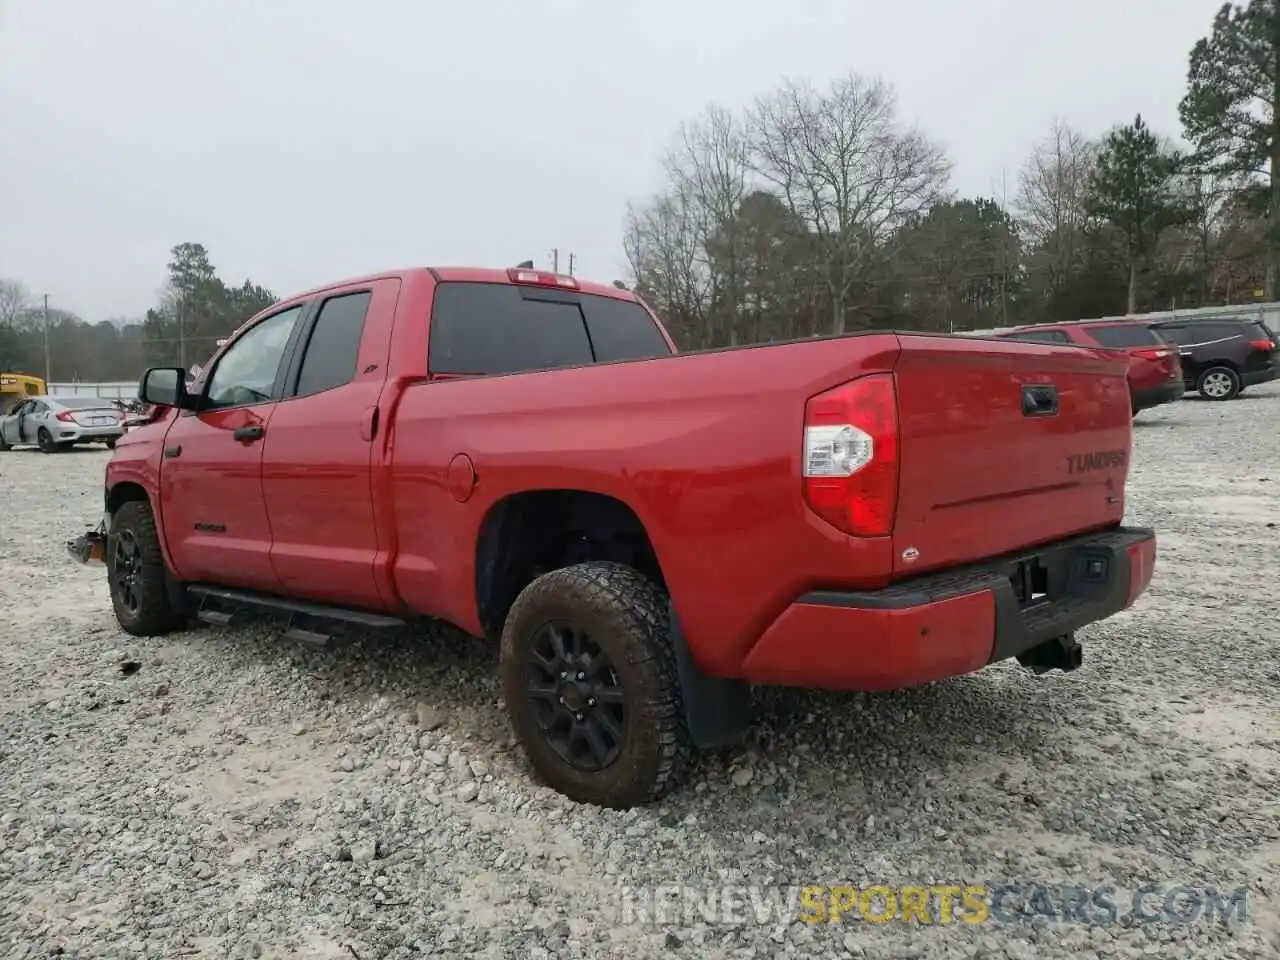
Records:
x=646, y=533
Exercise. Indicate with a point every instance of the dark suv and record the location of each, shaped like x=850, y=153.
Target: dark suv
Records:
x=1220, y=357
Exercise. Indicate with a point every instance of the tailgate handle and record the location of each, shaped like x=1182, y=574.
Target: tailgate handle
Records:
x=1039, y=400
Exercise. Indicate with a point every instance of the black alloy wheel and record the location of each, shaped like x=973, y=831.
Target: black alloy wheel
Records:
x=574, y=692
x=126, y=571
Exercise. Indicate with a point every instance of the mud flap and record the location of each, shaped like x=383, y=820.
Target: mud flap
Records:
x=717, y=710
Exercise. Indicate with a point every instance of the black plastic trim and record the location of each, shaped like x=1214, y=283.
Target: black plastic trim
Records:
x=366, y=618
x=1071, y=601
x=717, y=710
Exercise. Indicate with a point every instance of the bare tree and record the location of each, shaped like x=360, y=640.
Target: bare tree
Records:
x=13, y=302
x=663, y=244
x=710, y=165
x=1052, y=198
x=844, y=165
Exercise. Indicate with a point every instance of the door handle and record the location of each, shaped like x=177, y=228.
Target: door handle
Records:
x=1039, y=400
x=369, y=424
x=249, y=434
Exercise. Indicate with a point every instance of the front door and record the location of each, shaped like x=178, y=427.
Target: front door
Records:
x=10, y=427
x=211, y=496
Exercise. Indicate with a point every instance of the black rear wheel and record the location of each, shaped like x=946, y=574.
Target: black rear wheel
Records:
x=589, y=679
x=44, y=440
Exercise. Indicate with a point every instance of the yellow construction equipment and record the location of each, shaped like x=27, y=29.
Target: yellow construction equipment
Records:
x=16, y=387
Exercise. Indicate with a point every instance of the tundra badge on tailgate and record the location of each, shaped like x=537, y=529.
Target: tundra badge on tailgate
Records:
x=1101, y=460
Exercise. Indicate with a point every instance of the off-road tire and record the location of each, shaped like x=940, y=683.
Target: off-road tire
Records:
x=155, y=614
x=44, y=440
x=626, y=615
x=1207, y=384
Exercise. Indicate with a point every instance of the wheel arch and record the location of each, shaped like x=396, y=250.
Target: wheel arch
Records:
x=529, y=533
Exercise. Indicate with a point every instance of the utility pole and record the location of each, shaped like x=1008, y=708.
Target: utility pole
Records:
x=555, y=259
x=47, y=364
x=182, y=342
x=571, y=259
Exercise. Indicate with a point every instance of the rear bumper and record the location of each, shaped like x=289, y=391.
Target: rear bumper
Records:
x=1251, y=378
x=73, y=434
x=954, y=622
x=1154, y=396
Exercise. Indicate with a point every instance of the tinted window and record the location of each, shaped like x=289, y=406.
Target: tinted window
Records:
x=622, y=330
x=246, y=373
x=330, y=358
x=480, y=328
x=1124, y=335
x=1195, y=333
x=1256, y=331
x=1175, y=334
x=1040, y=336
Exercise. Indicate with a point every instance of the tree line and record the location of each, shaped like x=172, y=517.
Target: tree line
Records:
x=820, y=210
x=194, y=310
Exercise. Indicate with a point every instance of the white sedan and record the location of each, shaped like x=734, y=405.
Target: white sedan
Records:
x=55, y=423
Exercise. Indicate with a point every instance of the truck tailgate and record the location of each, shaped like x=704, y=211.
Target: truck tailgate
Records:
x=1005, y=445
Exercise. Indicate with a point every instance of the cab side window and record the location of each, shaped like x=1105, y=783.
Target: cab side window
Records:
x=1041, y=336
x=246, y=373
x=334, y=345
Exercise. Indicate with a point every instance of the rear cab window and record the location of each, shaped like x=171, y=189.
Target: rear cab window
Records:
x=480, y=329
x=1123, y=335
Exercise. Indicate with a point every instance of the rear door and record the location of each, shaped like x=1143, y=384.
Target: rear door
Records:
x=33, y=419
x=319, y=452
x=988, y=464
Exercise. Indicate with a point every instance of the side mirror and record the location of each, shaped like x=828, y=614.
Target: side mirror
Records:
x=166, y=387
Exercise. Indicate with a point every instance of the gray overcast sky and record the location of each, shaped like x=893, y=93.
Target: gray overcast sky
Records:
x=303, y=141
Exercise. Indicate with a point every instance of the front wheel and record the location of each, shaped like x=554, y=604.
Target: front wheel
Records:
x=589, y=680
x=1218, y=383
x=136, y=573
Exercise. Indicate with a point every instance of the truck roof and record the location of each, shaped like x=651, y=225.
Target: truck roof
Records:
x=463, y=275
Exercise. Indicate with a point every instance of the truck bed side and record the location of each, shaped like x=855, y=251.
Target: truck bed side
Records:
x=704, y=448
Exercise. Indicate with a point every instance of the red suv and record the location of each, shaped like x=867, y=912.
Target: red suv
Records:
x=1155, y=369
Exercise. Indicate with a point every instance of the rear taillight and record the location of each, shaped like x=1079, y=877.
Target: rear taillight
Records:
x=1262, y=344
x=851, y=455
x=1153, y=354
x=66, y=416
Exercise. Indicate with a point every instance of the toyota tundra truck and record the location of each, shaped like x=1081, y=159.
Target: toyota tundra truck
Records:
x=645, y=533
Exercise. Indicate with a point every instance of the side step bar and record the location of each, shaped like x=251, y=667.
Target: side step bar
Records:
x=312, y=623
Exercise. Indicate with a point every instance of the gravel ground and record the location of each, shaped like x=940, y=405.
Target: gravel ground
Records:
x=239, y=795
